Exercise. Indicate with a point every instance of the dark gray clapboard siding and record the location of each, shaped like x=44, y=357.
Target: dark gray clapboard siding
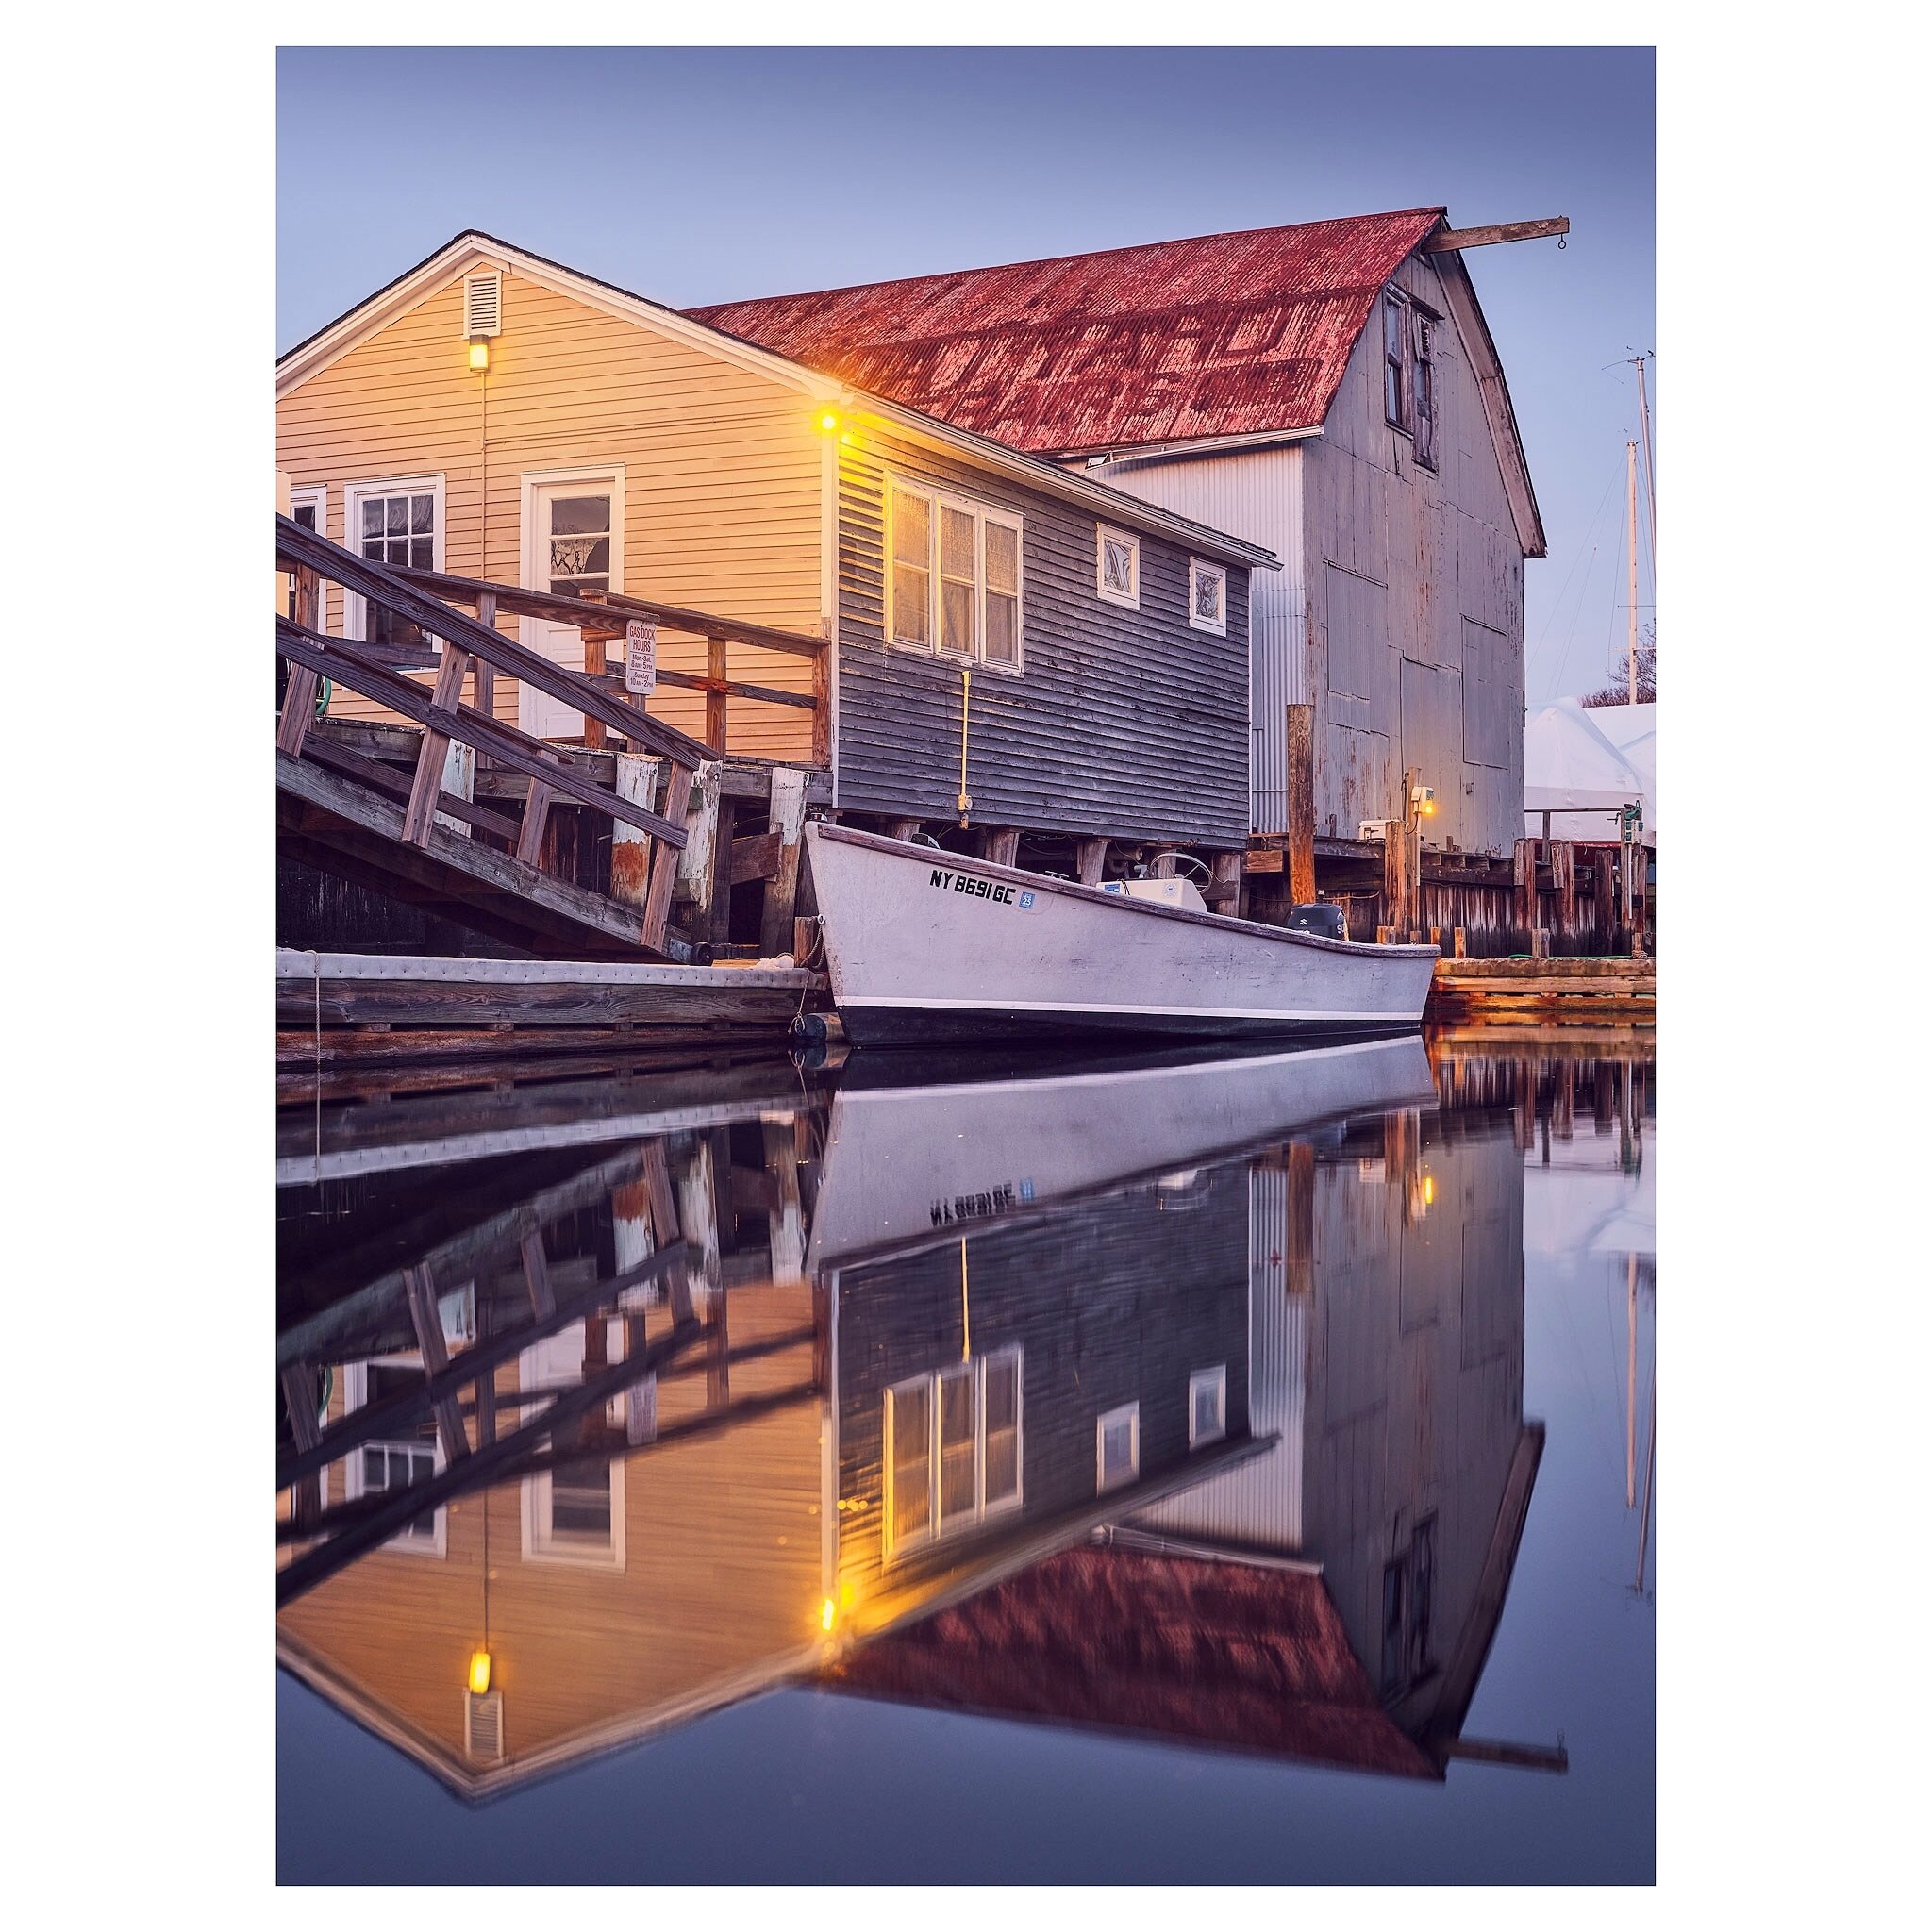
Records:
x=1112, y=1301
x=1125, y=723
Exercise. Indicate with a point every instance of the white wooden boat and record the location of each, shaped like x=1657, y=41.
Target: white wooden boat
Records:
x=928, y=945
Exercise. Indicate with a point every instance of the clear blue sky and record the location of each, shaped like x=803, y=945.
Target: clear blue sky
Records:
x=698, y=174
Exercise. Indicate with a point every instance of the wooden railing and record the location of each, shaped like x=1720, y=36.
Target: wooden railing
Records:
x=605, y=622
x=472, y=650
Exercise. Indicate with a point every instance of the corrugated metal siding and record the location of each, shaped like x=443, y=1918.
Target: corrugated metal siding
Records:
x=1259, y=1505
x=1414, y=605
x=1123, y=723
x=1256, y=494
x=1216, y=335
x=1112, y=1301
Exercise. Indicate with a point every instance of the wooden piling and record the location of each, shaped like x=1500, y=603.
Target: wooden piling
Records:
x=1090, y=858
x=1300, y=804
x=781, y=892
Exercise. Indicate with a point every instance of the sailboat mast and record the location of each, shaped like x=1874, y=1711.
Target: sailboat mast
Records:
x=1630, y=449
x=1649, y=459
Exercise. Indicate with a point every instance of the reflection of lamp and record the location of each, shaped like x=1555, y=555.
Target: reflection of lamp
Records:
x=479, y=1672
x=828, y=1615
x=480, y=352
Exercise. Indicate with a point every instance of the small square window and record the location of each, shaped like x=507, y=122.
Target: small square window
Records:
x=1207, y=1405
x=1117, y=1447
x=1206, y=597
x=1117, y=567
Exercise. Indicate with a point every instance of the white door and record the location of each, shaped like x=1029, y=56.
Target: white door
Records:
x=573, y=542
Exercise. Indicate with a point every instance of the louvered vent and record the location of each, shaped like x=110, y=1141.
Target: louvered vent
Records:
x=483, y=1726
x=482, y=304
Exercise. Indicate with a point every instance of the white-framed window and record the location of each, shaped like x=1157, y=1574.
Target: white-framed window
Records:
x=1117, y=1447
x=1207, y=596
x=1117, y=566
x=574, y=1514
x=308, y=506
x=411, y=1455
x=1207, y=1405
x=396, y=521
x=954, y=1449
x=953, y=575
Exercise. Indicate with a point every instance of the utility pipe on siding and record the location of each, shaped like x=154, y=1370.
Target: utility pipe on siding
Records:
x=965, y=724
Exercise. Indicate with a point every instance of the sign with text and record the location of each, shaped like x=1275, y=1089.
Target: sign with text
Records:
x=639, y=657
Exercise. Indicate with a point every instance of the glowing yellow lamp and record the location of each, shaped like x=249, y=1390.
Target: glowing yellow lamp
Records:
x=1428, y=1191
x=480, y=352
x=829, y=421
x=479, y=1671
x=828, y=1614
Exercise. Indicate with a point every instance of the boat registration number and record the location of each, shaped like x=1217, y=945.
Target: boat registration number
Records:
x=993, y=891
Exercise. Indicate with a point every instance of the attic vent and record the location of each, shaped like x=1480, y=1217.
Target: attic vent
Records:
x=483, y=1725
x=482, y=304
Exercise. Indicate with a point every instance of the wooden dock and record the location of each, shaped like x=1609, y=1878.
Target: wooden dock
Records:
x=1607, y=991
x=344, y=1009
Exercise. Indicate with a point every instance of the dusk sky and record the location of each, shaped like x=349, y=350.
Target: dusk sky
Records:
x=697, y=175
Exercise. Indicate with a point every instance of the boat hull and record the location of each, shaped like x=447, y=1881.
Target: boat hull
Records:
x=930, y=947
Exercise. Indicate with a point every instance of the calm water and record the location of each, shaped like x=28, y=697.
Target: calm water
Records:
x=1211, y=1469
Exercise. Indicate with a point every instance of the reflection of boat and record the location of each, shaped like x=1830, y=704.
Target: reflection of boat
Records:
x=921, y=1159
x=925, y=945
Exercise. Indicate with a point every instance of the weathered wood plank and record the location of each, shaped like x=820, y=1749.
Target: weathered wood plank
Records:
x=393, y=784
x=664, y=865
x=756, y=858
x=504, y=744
x=460, y=860
x=1448, y=240
x=397, y=590
x=781, y=893
x=515, y=601
x=717, y=674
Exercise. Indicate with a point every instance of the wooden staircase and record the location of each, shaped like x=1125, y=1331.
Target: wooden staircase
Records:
x=400, y=829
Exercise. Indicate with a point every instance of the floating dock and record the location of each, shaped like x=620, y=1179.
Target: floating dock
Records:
x=352, y=1008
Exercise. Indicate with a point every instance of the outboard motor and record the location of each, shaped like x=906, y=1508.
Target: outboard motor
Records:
x=1324, y=922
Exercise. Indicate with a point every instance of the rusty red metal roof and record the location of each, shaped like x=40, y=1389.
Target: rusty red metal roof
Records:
x=1223, y=334
x=1234, y=1655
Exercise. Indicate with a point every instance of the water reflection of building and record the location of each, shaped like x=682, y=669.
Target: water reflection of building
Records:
x=1332, y=1596
x=1062, y=1307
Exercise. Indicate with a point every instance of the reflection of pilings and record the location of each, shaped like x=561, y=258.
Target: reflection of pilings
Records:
x=406, y=1506
x=1649, y=1477
x=787, y=1216
x=395, y=1412
x=1630, y=1393
x=461, y=1254
x=419, y=1288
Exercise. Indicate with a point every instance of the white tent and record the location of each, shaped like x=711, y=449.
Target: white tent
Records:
x=1602, y=757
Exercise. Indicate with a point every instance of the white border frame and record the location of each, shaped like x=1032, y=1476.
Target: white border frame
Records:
x=939, y=1524
x=1197, y=567
x=982, y=513
x=1101, y=533
x=1129, y=1412
x=1215, y=1378
x=531, y=574
x=355, y=608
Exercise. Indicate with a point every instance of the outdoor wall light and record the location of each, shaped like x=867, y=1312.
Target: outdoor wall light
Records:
x=1422, y=801
x=479, y=1671
x=480, y=352
x=828, y=421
